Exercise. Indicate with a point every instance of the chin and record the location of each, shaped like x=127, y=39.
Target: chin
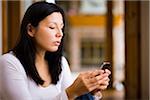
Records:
x=52, y=49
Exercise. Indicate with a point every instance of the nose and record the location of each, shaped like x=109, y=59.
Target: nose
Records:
x=59, y=33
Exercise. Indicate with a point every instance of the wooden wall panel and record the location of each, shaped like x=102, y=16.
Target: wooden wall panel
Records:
x=13, y=22
x=145, y=25
x=132, y=51
x=109, y=40
x=4, y=27
x=10, y=23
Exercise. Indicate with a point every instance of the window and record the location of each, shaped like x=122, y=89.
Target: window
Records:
x=92, y=53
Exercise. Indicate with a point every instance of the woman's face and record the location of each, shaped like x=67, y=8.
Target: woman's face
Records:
x=48, y=34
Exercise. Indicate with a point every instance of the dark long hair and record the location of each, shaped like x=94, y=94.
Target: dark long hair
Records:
x=25, y=49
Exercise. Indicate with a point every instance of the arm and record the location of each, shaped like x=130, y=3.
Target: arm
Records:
x=13, y=84
x=89, y=82
x=84, y=83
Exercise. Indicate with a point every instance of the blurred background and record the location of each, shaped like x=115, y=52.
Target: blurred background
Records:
x=97, y=30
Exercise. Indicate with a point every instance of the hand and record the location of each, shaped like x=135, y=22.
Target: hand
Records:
x=103, y=83
x=85, y=82
x=103, y=79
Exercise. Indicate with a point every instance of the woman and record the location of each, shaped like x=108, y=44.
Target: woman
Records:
x=35, y=68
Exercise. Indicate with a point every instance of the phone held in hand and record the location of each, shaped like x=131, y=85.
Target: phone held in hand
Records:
x=105, y=65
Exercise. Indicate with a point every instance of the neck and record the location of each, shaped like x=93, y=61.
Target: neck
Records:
x=40, y=56
x=43, y=68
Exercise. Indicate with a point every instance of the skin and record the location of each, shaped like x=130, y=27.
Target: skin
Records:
x=91, y=81
x=47, y=37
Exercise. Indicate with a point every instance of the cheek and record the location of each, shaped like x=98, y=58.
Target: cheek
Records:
x=45, y=38
x=44, y=34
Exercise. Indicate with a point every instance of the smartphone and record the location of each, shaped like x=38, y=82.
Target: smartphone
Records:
x=105, y=65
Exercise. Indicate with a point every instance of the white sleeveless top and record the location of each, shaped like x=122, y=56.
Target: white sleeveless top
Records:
x=15, y=85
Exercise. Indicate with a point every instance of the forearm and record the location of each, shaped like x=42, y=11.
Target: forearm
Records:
x=71, y=93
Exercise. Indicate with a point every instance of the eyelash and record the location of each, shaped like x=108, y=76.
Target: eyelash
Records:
x=52, y=27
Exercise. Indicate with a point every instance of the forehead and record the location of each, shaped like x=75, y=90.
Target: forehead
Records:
x=55, y=17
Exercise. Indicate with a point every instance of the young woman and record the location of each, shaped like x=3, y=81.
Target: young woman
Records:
x=35, y=68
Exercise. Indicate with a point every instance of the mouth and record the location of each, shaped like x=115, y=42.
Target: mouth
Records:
x=57, y=43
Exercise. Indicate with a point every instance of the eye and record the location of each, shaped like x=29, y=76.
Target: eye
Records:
x=52, y=27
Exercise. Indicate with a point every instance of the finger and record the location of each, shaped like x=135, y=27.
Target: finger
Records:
x=105, y=75
x=107, y=71
x=92, y=83
x=104, y=81
x=100, y=77
x=92, y=87
x=92, y=80
x=101, y=84
x=88, y=81
x=96, y=72
x=107, y=79
x=103, y=87
x=93, y=73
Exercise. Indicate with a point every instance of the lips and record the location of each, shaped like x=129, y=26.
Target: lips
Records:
x=57, y=43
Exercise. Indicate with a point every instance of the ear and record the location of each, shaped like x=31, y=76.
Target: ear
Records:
x=30, y=30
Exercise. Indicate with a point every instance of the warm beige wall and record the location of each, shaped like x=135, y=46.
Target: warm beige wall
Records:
x=145, y=50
